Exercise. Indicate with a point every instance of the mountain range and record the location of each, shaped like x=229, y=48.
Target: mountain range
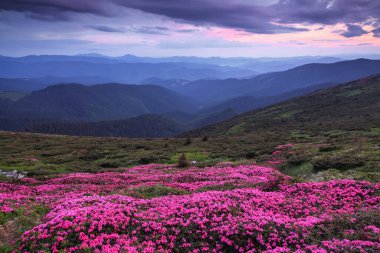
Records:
x=171, y=105
x=116, y=72
x=276, y=83
x=34, y=72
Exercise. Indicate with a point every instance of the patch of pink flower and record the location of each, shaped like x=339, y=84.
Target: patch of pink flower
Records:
x=277, y=155
x=31, y=191
x=265, y=213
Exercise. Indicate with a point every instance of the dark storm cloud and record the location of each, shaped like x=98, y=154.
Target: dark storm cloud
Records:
x=231, y=14
x=262, y=19
x=353, y=31
x=56, y=9
x=326, y=12
x=250, y=16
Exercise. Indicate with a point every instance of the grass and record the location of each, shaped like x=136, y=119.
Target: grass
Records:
x=237, y=129
x=374, y=131
x=5, y=217
x=191, y=156
x=289, y=114
x=66, y=154
x=149, y=192
x=301, y=172
x=352, y=93
x=299, y=135
x=34, y=212
x=13, y=224
x=224, y=187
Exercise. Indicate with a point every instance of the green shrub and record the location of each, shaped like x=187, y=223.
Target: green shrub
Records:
x=110, y=164
x=337, y=162
x=297, y=160
x=188, y=141
x=182, y=161
x=327, y=148
x=250, y=155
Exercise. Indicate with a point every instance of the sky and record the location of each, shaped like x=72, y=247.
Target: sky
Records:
x=225, y=28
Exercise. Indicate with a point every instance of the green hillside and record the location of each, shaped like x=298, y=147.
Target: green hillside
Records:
x=335, y=134
x=95, y=103
x=148, y=125
x=351, y=106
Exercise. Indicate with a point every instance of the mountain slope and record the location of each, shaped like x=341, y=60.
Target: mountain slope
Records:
x=145, y=126
x=352, y=106
x=271, y=84
x=249, y=103
x=20, y=84
x=95, y=103
x=32, y=84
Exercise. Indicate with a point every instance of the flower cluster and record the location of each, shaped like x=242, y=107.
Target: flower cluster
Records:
x=48, y=192
x=261, y=211
x=277, y=155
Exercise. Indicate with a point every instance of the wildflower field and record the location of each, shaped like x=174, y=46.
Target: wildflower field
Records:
x=224, y=208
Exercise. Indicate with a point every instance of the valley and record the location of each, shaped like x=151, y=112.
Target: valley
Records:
x=104, y=109
x=197, y=126
x=326, y=126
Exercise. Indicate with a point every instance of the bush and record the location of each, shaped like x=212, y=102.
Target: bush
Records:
x=146, y=160
x=337, y=162
x=182, y=161
x=327, y=148
x=297, y=160
x=250, y=155
x=111, y=164
x=188, y=141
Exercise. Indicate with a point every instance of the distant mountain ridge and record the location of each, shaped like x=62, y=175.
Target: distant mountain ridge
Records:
x=212, y=92
x=44, y=70
x=117, y=72
x=271, y=63
x=35, y=72
x=95, y=103
x=129, y=69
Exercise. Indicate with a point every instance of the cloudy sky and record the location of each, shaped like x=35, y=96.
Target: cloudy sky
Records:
x=190, y=27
